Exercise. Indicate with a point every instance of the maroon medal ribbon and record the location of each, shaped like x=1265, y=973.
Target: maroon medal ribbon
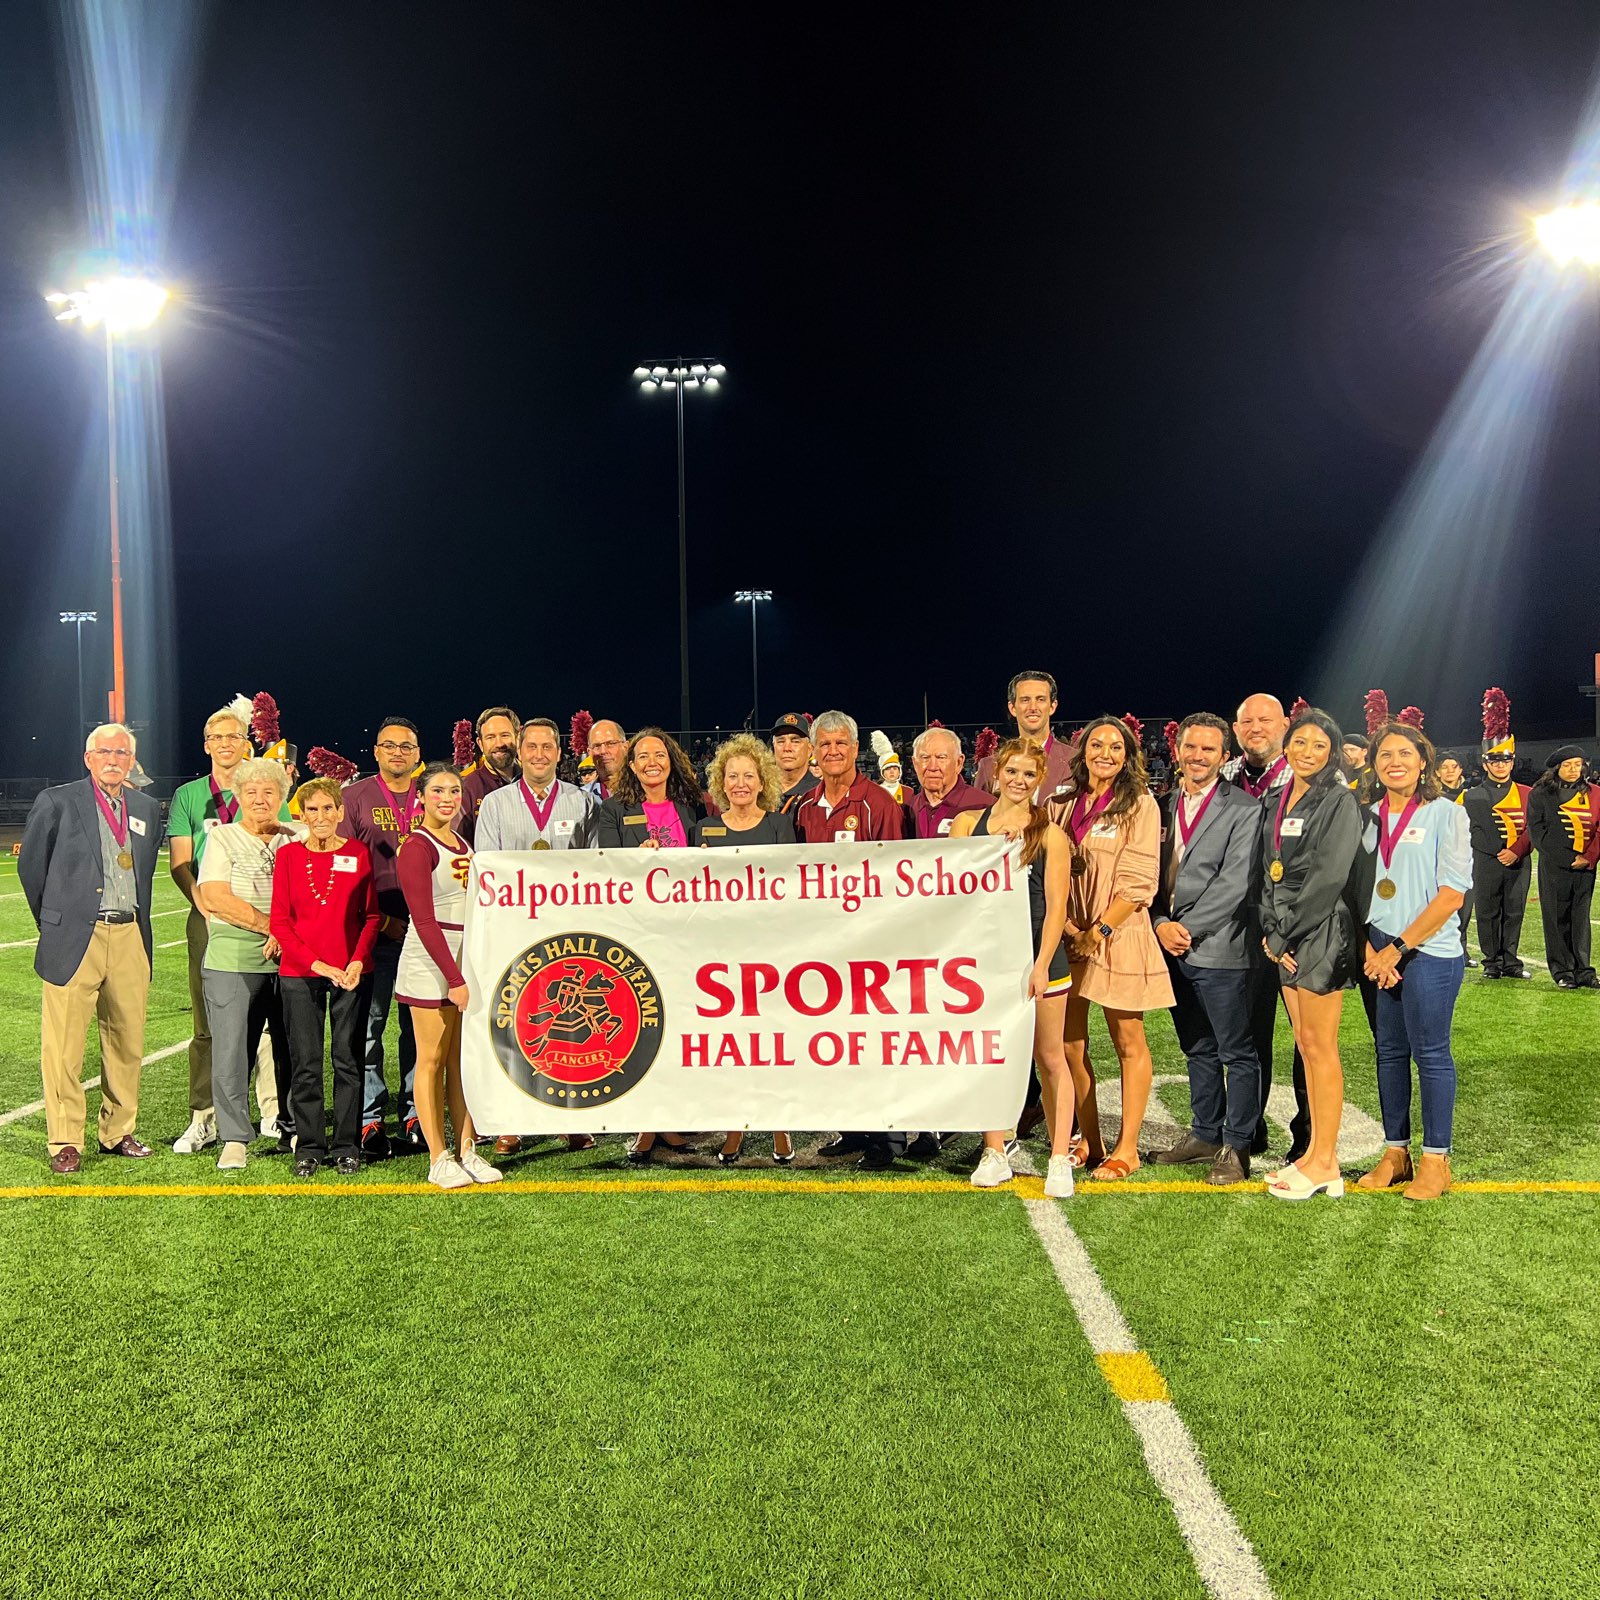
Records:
x=1277, y=822
x=540, y=813
x=1387, y=840
x=406, y=811
x=1260, y=787
x=119, y=829
x=227, y=810
x=1186, y=829
x=1083, y=814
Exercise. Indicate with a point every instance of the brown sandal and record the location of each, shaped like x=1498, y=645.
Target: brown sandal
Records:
x=1112, y=1170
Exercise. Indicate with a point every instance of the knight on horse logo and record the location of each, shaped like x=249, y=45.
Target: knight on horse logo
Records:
x=577, y=1021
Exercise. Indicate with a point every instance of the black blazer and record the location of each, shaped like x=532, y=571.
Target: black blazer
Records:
x=1309, y=911
x=618, y=825
x=63, y=877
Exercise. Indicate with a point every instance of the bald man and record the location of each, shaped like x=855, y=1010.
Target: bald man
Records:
x=1259, y=727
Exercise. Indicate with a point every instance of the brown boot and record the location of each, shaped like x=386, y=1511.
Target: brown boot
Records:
x=1395, y=1167
x=1432, y=1179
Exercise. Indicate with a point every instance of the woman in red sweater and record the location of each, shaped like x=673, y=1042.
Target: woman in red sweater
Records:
x=433, y=864
x=325, y=918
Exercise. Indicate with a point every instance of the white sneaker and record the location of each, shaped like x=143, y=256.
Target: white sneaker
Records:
x=477, y=1168
x=233, y=1158
x=1058, y=1180
x=270, y=1128
x=202, y=1131
x=448, y=1173
x=992, y=1170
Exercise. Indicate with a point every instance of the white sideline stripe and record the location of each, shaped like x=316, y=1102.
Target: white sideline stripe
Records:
x=171, y=944
x=155, y=916
x=89, y=1083
x=1223, y=1557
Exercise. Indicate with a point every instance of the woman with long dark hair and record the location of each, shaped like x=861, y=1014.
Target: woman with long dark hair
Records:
x=1418, y=841
x=1019, y=766
x=1113, y=826
x=1311, y=831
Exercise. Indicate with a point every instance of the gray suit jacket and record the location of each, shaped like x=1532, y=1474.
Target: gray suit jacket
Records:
x=62, y=877
x=1211, y=896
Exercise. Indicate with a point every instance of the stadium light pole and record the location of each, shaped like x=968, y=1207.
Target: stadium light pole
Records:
x=119, y=306
x=754, y=597
x=679, y=374
x=1570, y=236
x=79, y=618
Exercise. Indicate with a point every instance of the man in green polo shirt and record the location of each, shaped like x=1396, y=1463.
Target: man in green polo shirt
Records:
x=197, y=808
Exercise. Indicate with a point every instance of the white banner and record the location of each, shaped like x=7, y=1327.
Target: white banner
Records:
x=869, y=987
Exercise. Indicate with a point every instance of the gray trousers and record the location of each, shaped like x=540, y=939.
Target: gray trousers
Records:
x=239, y=1005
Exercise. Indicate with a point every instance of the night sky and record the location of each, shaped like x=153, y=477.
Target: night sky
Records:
x=1103, y=342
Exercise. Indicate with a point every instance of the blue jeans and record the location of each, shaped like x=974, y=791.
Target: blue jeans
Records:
x=1413, y=1024
x=1211, y=1013
x=374, y=1090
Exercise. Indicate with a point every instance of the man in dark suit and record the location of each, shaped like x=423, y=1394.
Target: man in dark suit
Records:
x=87, y=866
x=1208, y=841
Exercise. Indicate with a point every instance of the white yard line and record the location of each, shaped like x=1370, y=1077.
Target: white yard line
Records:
x=1223, y=1557
x=88, y=1083
x=155, y=916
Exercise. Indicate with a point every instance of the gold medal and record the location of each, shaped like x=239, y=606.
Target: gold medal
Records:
x=541, y=844
x=125, y=861
x=1387, y=889
x=1275, y=872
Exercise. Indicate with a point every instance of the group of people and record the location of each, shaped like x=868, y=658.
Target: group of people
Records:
x=1303, y=865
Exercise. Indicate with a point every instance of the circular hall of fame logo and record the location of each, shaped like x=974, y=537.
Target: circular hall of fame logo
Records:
x=576, y=1020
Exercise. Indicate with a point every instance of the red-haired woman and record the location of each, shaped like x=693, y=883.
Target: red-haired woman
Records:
x=1019, y=765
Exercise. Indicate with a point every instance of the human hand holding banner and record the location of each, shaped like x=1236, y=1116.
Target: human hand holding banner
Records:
x=858, y=987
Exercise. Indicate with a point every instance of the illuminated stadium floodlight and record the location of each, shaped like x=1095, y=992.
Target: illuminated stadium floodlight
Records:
x=1571, y=233
x=752, y=597
x=682, y=372
x=119, y=305
x=78, y=618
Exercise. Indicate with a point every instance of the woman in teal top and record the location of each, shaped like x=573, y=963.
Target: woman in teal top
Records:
x=1421, y=856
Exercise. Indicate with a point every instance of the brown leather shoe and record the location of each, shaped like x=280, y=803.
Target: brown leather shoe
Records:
x=508, y=1144
x=127, y=1145
x=1432, y=1179
x=1232, y=1166
x=1394, y=1167
x=66, y=1160
x=580, y=1141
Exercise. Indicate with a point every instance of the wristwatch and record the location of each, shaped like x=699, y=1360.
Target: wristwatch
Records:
x=1106, y=930
x=1402, y=947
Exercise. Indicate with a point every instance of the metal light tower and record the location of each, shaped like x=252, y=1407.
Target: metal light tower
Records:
x=79, y=618
x=679, y=374
x=120, y=306
x=754, y=597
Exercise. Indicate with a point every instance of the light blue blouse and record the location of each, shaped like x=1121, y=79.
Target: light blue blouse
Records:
x=1434, y=853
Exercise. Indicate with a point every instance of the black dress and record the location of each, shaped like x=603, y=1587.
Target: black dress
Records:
x=1060, y=962
x=1308, y=913
x=714, y=833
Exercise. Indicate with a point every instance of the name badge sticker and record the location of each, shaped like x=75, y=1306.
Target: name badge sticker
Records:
x=210, y=824
x=1103, y=830
x=844, y=836
x=1293, y=827
x=137, y=824
x=344, y=863
x=1413, y=836
x=562, y=827
x=944, y=827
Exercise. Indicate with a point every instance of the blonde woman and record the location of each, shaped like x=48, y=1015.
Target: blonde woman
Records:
x=748, y=790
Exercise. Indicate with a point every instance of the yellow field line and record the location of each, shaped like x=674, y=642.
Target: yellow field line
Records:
x=1024, y=1188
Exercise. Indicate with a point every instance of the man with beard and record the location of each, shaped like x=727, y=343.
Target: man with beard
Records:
x=1260, y=769
x=791, y=749
x=1031, y=700
x=498, y=731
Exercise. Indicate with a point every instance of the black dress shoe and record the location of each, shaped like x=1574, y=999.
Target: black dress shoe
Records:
x=1591, y=982
x=347, y=1166
x=374, y=1142
x=1566, y=983
x=1259, y=1144
x=286, y=1141
x=876, y=1160
x=306, y=1166
x=843, y=1144
x=1472, y=966
x=1188, y=1149
x=924, y=1147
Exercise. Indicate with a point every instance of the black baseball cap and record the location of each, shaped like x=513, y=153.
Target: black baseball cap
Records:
x=792, y=722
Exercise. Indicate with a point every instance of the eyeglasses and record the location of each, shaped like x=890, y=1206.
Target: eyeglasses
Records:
x=606, y=744
x=395, y=748
x=117, y=754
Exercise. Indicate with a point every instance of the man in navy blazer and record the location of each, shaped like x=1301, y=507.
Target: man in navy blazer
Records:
x=1201, y=917
x=87, y=868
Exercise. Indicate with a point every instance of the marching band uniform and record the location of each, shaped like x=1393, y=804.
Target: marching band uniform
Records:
x=1497, y=817
x=1564, y=821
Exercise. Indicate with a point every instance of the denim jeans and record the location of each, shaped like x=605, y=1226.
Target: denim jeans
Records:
x=1414, y=1021
x=1211, y=1013
x=374, y=1090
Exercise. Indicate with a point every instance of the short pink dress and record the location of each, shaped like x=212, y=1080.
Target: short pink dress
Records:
x=1128, y=972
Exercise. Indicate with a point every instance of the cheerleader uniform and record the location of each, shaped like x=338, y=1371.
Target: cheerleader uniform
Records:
x=434, y=879
x=1060, y=963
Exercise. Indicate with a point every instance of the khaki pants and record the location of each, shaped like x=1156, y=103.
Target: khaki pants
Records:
x=112, y=983
x=200, y=1043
